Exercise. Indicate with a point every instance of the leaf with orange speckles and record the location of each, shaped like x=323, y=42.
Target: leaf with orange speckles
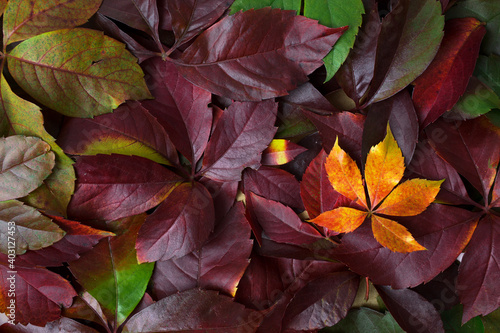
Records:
x=341, y=219
x=393, y=235
x=446, y=78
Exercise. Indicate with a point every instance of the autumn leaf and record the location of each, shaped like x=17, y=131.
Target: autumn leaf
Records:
x=384, y=169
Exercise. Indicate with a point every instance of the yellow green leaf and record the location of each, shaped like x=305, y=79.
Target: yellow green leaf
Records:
x=344, y=175
x=394, y=236
x=410, y=198
x=384, y=168
x=341, y=219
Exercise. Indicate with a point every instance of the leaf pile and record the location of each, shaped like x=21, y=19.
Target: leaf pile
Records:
x=257, y=166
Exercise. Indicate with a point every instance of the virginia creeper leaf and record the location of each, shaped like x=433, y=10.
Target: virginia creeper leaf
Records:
x=148, y=10
x=61, y=325
x=257, y=54
x=241, y=134
x=125, y=12
x=223, y=194
x=24, y=19
x=446, y=78
x=180, y=107
x=409, y=39
x=254, y=4
x=180, y=225
x=55, y=192
x=129, y=130
x=337, y=13
x=114, y=186
x=488, y=71
x=25, y=161
x=480, y=270
x=39, y=294
x=110, y=271
x=33, y=231
x=188, y=311
x=77, y=72
x=393, y=235
x=280, y=152
x=217, y=265
x=341, y=219
x=366, y=320
x=477, y=100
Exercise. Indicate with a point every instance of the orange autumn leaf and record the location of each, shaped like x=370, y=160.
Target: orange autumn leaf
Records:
x=384, y=170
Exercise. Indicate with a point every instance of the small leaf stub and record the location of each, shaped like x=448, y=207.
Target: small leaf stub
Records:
x=384, y=170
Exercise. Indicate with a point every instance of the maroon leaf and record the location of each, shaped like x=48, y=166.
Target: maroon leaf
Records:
x=274, y=184
x=194, y=310
x=237, y=142
x=399, y=112
x=217, y=265
x=61, y=325
x=280, y=223
x=125, y=12
x=412, y=312
x=39, y=294
x=86, y=307
x=181, y=107
x=178, y=226
x=78, y=239
x=257, y=54
x=471, y=147
x=479, y=271
x=323, y=302
x=191, y=17
x=223, y=195
x=307, y=97
x=443, y=230
x=129, y=125
x=446, y=78
x=116, y=186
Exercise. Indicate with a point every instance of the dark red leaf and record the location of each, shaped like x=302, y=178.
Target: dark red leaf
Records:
x=223, y=195
x=78, y=239
x=130, y=124
x=446, y=78
x=399, y=112
x=178, y=226
x=471, y=147
x=181, y=107
x=194, y=311
x=127, y=12
x=189, y=18
x=237, y=142
x=86, y=307
x=412, y=312
x=217, y=265
x=61, y=325
x=479, y=271
x=274, y=184
x=443, y=230
x=39, y=294
x=307, y=97
x=280, y=223
x=257, y=54
x=113, y=186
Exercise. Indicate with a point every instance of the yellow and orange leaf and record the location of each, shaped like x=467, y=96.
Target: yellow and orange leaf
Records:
x=410, y=198
x=341, y=219
x=394, y=236
x=344, y=175
x=384, y=168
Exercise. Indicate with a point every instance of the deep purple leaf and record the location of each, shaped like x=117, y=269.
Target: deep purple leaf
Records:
x=181, y=107
x=412, y=312
x=180, y=225
x=217, y=265
x=223, y=195
x=274, y=184
x=307, y=97
x=479, y=271
x=242, y=133
x=61, y=325
x=194, y=311
x=126, y=12
x=115, y=186
x=257, y=54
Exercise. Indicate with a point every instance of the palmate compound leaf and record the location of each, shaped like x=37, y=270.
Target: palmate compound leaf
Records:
x=77, y=72
x=110, y=271
x=24, y=163
x=26, y=18
x=383, y=171
x=257, y=54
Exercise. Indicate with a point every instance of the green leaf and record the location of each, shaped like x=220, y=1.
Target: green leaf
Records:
x=27, y=18
x=20, y=117
x=334, y=14
x=477, y=100
x=366, y=320
x=488, y=71
x=24, y=163
x=452, y=320
x=33, y=230
x=486, y=11
x=110, y=271
x=491, y=322
x=77, y=72
x=256, y=4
